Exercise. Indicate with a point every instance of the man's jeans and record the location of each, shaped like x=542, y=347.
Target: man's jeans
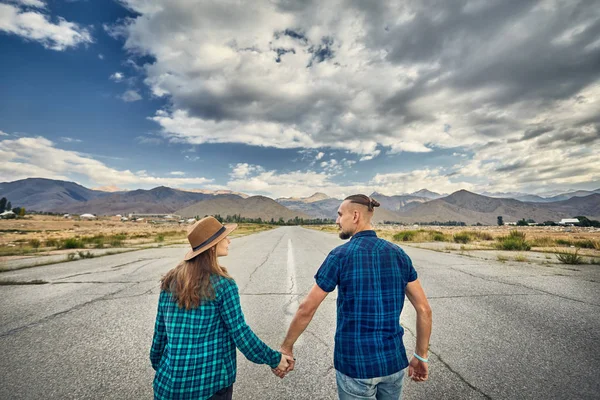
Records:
x=381, y=388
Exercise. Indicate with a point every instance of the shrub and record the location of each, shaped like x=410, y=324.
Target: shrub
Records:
x=52, y=243
x=72, y=243
x=515, y=241
x=439, y=237
x=570, y=258
x=563, y=242
x=501, y=258
x=35, y=243
x=71, y=256
x=462, y=237
x=405, y=236
x=160, y=238
x=520, y=258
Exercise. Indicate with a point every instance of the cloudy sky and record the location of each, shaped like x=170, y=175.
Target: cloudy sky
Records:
x=290, y=97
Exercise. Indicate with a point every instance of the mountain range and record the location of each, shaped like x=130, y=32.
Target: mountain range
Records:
x=422, y=206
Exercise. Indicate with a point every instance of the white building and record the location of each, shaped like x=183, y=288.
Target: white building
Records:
x=568, y=221
x=7, y=214
x=87, y=216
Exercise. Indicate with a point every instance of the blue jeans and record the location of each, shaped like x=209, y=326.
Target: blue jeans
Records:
x=381, y=388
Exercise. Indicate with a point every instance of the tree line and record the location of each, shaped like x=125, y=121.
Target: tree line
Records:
x=237, y=218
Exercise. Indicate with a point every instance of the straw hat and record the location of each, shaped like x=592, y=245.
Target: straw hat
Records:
x=206, y=233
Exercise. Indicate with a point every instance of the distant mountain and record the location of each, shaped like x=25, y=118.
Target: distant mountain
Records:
x=317, y=209
x=161, y=200
x=109, y=188
x=399, y=202
x=41, y=194
x=540, y=199
x=569, y=195
x=311, y=199
x=472, y=208
x=517, y=196
x=428, y=194
x=215, y=192
x=252, y=207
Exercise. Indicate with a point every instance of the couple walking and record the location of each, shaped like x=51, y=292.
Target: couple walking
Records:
x=200, y=323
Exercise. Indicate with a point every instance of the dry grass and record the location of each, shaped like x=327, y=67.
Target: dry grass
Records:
x=37, y=235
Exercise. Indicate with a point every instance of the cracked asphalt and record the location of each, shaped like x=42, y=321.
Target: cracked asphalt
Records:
x=500, y=331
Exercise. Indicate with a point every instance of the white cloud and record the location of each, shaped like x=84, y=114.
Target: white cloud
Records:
x=254, y=179
x=131, y=96
x=370, y=79
x=242, y=170
x=177, y=173
x=319, y=155
x=117, y=77
x=101, y=56
x=33, y=25
x=30, y=3
x=70, y=140
x=4, y=134
x=38, y=157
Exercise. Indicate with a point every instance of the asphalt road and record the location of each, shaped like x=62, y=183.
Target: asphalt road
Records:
x=501, y=330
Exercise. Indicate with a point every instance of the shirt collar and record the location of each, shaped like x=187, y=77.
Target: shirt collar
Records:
x=364, y=234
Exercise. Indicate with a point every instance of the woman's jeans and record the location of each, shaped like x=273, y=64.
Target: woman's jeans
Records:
x=381, y=388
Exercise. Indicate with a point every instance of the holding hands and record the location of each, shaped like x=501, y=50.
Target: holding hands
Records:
x=286, y=364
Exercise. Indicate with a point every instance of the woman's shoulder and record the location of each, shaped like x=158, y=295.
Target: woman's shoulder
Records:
x=221, y=283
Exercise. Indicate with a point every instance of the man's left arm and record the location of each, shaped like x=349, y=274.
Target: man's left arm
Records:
x=303, y=316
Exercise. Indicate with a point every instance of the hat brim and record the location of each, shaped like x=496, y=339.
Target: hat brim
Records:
x=228, y=229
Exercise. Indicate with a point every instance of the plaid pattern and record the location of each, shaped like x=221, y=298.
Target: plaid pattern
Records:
x=193, y=351
x=371, y=275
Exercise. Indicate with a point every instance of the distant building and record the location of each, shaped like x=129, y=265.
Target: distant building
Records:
x=510, y=223
x=568, y=221
x=87, y=216
x=154, y=217
x=8, y=214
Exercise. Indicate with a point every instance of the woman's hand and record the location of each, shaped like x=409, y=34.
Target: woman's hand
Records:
x=284, y=365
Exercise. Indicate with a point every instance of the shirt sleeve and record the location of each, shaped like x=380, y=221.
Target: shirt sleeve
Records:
x=412, y=272
x=160, y=337
x=328, y=275
x=245, y=340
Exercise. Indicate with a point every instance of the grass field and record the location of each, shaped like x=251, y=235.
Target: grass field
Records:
x=564, y=242
x=48, y=235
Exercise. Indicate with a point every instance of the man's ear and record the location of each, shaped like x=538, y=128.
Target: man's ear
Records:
x=356, y=217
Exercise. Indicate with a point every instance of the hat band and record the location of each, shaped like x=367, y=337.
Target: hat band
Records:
x=210, y=239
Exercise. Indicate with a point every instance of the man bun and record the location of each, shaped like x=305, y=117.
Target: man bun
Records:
x=364, y=200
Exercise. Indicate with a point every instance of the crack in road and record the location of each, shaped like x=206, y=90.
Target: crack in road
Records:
x=524, y=286
x=104, y=270
x=485, y=295
x=262, y=263
x=447, y=365
x=60, y=313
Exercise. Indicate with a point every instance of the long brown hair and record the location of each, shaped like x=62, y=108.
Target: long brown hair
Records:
x=189, y=282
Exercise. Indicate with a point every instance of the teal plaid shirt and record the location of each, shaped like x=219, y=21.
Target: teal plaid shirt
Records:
x=193, y=351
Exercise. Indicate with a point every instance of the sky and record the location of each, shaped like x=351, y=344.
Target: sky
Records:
x=291, y=97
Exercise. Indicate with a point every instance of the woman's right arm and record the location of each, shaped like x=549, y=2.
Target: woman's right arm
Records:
x=249, y=344
x=160, y=338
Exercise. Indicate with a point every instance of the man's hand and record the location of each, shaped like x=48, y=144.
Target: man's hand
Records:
x=283, y=367
x=289, y=351
x=418, y=370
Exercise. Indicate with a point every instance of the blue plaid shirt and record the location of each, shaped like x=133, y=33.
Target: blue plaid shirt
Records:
x=371, y=275
x=193, y=351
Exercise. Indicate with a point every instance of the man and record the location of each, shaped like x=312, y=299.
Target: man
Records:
x=372, y=276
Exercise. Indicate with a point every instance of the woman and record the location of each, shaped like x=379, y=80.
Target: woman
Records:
x=200, y=323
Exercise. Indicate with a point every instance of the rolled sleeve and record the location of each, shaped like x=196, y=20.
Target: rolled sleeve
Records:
x=328, y=275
